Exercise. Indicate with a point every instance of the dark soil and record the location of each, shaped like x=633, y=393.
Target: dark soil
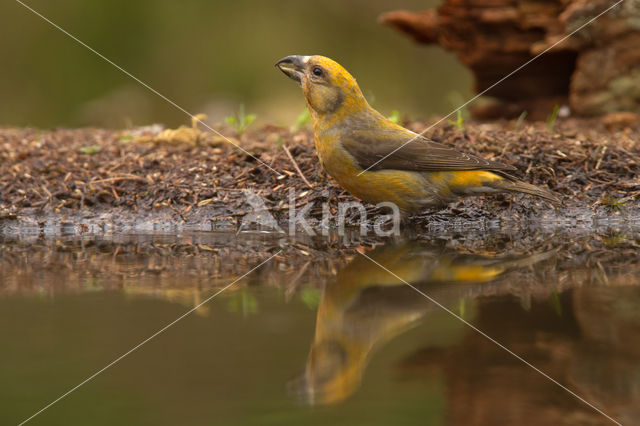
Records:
x=83, y=177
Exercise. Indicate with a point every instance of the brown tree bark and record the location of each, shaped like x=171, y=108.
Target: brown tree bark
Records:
x=595, y=71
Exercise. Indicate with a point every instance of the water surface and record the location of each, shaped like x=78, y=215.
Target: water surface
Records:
x=320, y=334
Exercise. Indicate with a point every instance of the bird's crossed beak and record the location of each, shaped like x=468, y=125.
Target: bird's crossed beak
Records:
x=292, y=66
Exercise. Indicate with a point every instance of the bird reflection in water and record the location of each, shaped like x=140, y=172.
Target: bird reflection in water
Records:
x=366, y=306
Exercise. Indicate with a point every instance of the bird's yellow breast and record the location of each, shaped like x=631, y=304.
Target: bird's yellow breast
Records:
x=404, y=188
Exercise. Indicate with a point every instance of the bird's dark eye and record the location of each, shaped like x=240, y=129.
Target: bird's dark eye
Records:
x=317, y=71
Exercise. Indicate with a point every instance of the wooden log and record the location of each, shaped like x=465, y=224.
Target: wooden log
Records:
x=595, y=71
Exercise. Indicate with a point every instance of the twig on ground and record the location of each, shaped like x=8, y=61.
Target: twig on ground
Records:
x=118, y=178
x=302, y=176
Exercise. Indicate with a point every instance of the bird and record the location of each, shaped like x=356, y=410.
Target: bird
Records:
x=377, y=160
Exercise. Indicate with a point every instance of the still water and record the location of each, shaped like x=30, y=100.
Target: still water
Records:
x=319, y=334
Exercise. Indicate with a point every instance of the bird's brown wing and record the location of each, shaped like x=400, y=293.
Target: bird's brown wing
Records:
x=376, y=149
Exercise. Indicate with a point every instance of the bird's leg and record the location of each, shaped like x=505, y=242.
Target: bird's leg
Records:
x=322, y=175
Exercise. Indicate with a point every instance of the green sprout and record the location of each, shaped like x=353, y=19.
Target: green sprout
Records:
x=302, y=120
x=457, y=100
x=551, y=120
x=459, y=123
x=395, y=116
x=90, y=150
x=612, y=203
x=520, y=120
x=240, y=121
x=614, y=240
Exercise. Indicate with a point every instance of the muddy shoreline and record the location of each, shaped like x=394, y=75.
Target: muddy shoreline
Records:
x=147, y=180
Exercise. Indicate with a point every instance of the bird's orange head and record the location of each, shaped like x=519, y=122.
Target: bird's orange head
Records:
x=327, y=86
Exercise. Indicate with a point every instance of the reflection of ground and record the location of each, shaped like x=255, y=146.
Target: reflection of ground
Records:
x=593, y=349
x=157, y=265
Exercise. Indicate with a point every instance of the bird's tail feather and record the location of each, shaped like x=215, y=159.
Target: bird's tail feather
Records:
x=514, y=185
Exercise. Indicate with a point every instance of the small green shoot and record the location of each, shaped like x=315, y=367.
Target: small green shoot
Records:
x=457, y=101
x=612, y=203
x=395, y=116
x=551, y=120
x=90, y=150
x=303, y=118
x=240, y=121
x=459, y=123
x=462, y=307
x=520, y=120
x=614, y=240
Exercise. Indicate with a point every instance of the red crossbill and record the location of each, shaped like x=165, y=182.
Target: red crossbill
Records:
x=363, y=150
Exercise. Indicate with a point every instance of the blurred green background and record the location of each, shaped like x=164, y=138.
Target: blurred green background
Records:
x=207, y=56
